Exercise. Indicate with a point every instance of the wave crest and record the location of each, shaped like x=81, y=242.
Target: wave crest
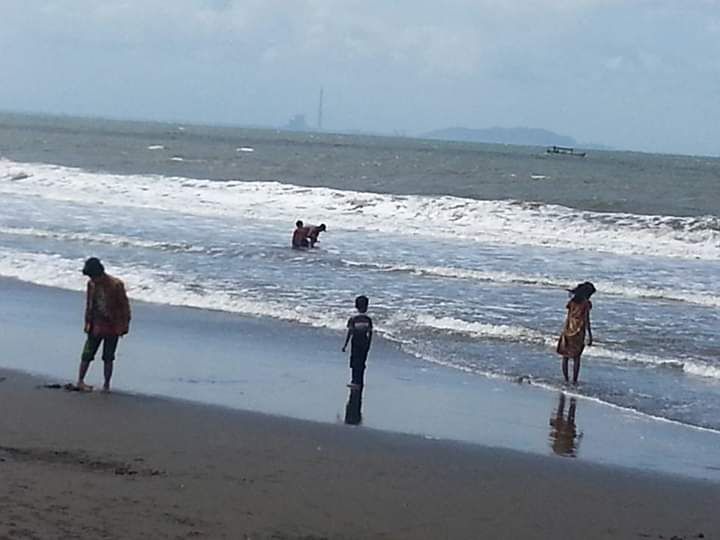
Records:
x=502, y=222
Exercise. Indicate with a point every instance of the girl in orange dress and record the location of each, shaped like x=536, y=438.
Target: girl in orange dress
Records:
x=572, y=340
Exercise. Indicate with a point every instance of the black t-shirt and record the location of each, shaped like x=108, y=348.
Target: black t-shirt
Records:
x=361, y=327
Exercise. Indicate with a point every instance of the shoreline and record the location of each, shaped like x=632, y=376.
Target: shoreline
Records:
x=565, y=389
x=293, y=371
x=39, y=382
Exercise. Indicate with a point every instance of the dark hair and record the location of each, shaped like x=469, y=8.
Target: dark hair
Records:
x=93, y=267
x=361, y=303
x=322, y=227
x=582, y=292
x=299, y=223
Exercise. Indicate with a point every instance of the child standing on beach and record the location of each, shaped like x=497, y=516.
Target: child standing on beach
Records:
x=107, y=318
x=572, y=340
x=360, y=332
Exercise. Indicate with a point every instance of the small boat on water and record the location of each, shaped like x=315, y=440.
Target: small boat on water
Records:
x=565, y=151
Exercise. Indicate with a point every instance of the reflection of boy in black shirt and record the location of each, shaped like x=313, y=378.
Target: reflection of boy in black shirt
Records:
x=360, y=331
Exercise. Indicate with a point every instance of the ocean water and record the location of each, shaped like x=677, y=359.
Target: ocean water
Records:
x=464, y=250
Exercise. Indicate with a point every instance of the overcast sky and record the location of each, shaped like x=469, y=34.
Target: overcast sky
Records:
x=636, y=74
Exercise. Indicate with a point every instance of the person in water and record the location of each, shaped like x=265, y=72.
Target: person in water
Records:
x=107, y=317
x=300, y=236
x=360, y=328
x=314, y=232
x=572, y=339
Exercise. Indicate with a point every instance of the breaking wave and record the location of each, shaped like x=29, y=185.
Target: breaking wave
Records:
x=101, y=238
x=501, y=222
x=192, y=291
x=699, y=297
x=520, y=334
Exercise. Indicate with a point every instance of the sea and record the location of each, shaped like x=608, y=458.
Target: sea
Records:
x=466, y=251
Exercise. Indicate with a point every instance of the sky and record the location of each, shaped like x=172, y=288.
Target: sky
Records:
x=635, y=74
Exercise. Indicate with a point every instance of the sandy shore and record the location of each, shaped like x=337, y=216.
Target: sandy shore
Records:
x=278, y=368
x=123, y=466
x=129, y=466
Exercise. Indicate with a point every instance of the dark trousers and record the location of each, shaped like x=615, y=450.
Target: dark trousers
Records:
x=92, y=344
x=353, y=409
x=358, y=375
x=358, y=358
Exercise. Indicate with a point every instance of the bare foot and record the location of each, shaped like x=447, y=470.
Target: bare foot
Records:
x=105, y=389
x=82, y=387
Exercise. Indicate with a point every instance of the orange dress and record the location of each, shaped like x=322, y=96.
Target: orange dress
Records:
x=572, y=340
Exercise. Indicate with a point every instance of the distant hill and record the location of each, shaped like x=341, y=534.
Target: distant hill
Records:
x=500, y=135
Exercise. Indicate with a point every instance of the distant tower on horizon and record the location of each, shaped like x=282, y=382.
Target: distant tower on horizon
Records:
x=320, y=111
x=297, y=123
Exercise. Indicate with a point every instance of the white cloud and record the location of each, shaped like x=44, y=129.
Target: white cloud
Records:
x=405, y=64
x=446, y=38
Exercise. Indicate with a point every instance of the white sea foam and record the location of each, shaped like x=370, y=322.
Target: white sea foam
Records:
x=516, y=333
x=156, y=147
x=245, y=149
x=100, y=238
x=160, y=287
x=700, y=297
x=502, y=222
x=163, y=287
x=484, y=330
x=702, y=370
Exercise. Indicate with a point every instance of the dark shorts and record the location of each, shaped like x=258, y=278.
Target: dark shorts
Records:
x=92, y=344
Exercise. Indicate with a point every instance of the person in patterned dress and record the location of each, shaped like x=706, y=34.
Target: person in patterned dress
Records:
x=577, y=324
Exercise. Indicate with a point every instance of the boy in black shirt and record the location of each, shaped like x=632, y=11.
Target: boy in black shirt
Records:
x=360, y=331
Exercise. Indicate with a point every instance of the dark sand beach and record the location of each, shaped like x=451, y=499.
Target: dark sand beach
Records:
x=128, y=465
x=121, y=466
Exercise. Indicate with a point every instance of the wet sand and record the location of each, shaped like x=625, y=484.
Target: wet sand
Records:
x=129, y=466
x=123, y=466
x=279, y=368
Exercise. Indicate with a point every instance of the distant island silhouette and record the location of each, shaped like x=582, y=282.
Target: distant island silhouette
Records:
x=499, y=135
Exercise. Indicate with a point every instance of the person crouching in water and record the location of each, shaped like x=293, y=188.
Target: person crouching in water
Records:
x=572, y=340
x=314, y=233
x=360, y=329
x=107, y=317
x=300, y=236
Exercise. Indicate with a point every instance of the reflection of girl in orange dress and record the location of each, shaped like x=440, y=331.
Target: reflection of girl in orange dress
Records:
x=564, y=437
x=572, y=340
